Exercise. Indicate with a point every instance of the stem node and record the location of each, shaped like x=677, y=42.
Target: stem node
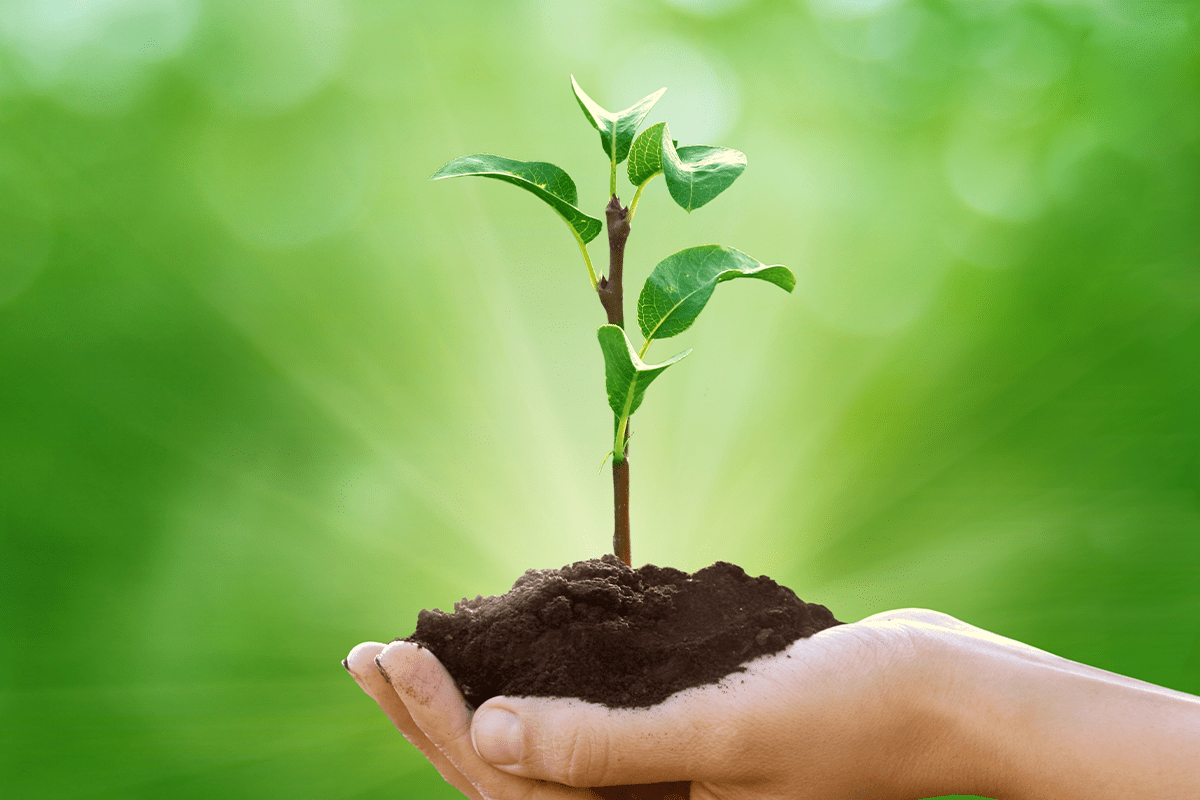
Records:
x=609, y=287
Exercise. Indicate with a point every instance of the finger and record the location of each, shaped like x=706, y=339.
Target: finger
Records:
x=444, y=717
x=584, y=744
x=361, y=666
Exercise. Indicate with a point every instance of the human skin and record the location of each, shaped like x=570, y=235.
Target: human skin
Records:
x=904, y=704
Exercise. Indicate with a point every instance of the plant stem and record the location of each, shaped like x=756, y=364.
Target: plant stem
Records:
x=609, y=287
x=611, y=297
x=621, y=511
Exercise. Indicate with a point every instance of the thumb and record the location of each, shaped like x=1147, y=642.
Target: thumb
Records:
x=584, y=744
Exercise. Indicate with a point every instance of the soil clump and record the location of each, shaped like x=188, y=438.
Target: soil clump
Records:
x=602, y=632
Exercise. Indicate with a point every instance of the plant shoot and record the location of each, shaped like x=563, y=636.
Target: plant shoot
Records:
x=678, y=287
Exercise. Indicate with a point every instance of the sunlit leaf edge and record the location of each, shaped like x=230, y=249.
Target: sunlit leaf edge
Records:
x=487, y=165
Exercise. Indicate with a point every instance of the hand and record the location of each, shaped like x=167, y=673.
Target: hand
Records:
x=904, y=704
x=828, y=717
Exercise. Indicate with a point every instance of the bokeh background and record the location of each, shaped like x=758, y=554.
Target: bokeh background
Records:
x=265, y=392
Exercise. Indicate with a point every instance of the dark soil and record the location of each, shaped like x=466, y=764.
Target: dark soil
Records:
x=605, y=633
x=602, y=632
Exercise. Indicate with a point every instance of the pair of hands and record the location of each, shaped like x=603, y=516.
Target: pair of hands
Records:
x=905, y=704
x=844, y=713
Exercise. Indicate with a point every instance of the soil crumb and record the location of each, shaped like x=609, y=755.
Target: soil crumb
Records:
x=602, y=632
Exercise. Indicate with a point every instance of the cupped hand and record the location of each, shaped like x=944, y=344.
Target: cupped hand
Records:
x=848, y=712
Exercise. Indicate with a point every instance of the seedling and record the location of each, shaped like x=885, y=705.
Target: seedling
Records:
x=679, y=286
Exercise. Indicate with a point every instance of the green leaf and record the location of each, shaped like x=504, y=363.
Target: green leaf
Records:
x=546, y=181
x=645, y=156
x=625, y=376
x=697, y=173
x=623, y=123
x=679, y=286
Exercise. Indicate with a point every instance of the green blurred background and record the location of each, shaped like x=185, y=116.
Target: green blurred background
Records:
x=265, y=392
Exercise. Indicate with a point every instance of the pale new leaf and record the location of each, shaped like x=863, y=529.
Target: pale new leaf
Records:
x=618, y=127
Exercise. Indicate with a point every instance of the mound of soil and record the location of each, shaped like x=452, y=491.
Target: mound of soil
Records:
x=608, y=634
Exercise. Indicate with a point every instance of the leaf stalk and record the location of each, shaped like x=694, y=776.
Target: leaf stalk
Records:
x=620, y=441
x=587, y=259
x=638, y=196
x=612, y=171
x=645, y=347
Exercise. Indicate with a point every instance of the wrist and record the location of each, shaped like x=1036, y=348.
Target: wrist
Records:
x=957, y=731
x=1002, y=719
x=922, y=731
x=968, y=708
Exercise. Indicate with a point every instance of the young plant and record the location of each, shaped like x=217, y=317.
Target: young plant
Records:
x=679, y=286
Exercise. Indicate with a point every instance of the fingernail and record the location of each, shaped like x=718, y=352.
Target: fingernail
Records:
x=382, y=671
x=498, y=736
x=346, y=664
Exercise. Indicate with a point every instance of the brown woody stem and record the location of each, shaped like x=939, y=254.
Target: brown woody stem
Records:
x=609, y=288
x=611, y=297
x=621, y=545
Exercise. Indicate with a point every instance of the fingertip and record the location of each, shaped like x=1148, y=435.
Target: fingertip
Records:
x=533, y=737
x=497, y=735
x=360, y=662
x=414, y=672
x=361, y=666
x=363, y=663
